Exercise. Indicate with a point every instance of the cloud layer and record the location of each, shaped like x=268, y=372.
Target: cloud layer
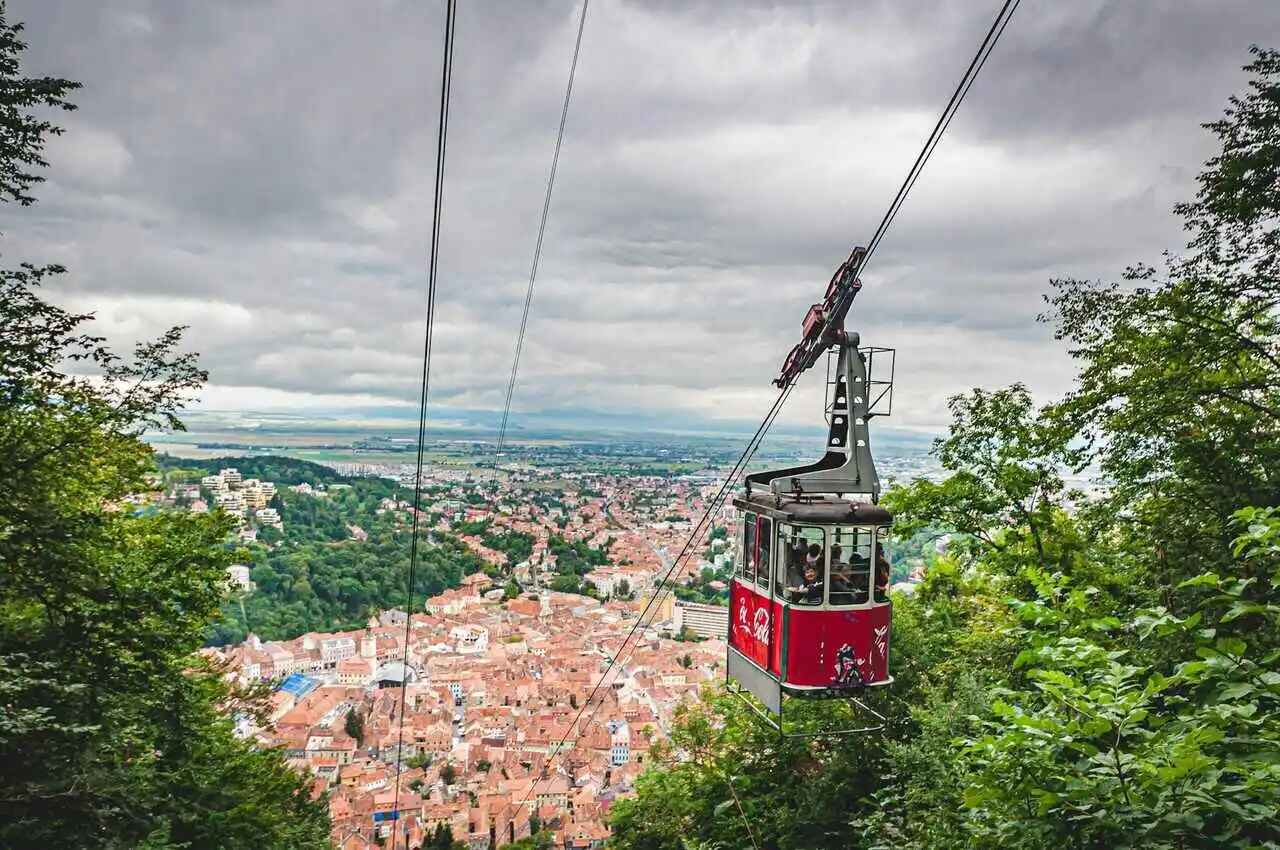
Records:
x=263, y=172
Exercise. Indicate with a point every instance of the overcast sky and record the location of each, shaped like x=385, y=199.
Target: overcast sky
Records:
x=263, y=172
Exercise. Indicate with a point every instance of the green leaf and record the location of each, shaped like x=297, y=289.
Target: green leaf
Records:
x=1235, y=691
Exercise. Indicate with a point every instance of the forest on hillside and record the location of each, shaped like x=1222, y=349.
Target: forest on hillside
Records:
x=316, y=575
x=284, y=471
x=1074, y=673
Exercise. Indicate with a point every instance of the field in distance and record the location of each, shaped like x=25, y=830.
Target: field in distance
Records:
x=390, y=444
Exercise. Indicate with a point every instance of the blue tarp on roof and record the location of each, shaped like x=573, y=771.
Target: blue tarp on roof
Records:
x=298, y=685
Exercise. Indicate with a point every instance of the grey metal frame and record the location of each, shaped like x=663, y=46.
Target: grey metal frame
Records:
x=778, y=706
x=847, y=468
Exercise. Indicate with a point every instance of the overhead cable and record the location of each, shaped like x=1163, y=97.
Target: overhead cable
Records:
x=433, y=260
x=975, y=66
x=944, y=121
x=542, y=229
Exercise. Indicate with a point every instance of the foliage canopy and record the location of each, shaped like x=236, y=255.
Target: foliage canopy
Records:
x=113, y=732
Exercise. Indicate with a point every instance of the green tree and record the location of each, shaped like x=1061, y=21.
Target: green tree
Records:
x=354, y=726
x=1103, y=749
x=1179, y=391
x=441, y=838
x=719, y=758
x=113, y=734
x=1006, y=489
x=566, y=584
x=270, y=535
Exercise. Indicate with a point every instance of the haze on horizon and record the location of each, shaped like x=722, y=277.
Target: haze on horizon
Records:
x=262, y=172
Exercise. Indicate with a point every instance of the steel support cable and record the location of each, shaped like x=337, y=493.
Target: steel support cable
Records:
x=446, y=81
x=698, y=530
x=944, y=121
x=542, y=229
x=712, y=507
x=751, y=833
x=957, y=97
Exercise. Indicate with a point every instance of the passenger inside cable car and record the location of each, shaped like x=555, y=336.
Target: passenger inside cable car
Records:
x=856, y=573
x=846, y=589
x=791, y=568
x=809, y=593
x=882, y=574
x=811, y=587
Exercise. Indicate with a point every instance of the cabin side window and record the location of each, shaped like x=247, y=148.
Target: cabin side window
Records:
x=765, y=562
x=802, y=563
x=852, y=575
x=883, y=566
x=747, y=560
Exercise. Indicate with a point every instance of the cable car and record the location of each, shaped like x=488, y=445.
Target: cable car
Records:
x=809, y=608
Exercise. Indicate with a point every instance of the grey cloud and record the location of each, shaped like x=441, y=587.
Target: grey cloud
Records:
x=263, y=172
x=1103, y=63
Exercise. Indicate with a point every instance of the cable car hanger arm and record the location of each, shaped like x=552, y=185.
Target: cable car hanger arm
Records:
x=823, y=325
x=847, y=466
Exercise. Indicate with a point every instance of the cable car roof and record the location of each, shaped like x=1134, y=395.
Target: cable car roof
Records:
x=822, y=511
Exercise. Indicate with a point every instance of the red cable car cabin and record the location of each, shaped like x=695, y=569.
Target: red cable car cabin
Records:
x=809, y=601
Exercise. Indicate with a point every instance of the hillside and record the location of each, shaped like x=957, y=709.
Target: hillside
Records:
x=278, y=468
x=343, y=552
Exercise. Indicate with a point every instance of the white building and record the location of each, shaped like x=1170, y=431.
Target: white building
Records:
x=702, y=620
x=335, y=649
x=602, y=582
x=238, y=578
x=253, y=495
x=229, y=501
x=269, y=516
x=639, y=580
x=471, y=640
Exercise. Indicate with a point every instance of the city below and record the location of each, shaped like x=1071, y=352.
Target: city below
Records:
x=488, y=691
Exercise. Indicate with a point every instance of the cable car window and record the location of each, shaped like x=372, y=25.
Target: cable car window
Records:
x=851, y=558
x=883, y=566
x=802, y=568
x=765, y=563
x=747, y=561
